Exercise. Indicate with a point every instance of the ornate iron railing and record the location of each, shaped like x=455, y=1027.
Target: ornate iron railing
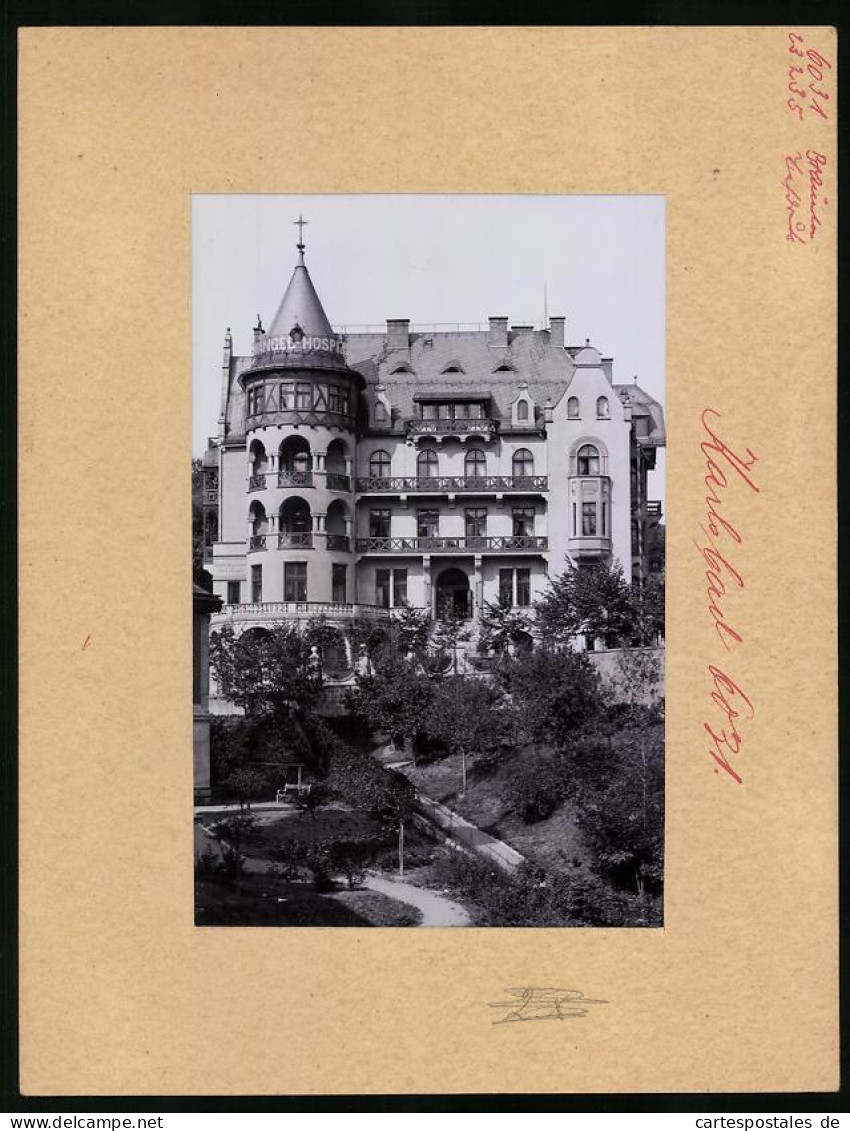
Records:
x=503, y=543
x=257, y=483
x=295, y=539
x=340, y=542
x=295, y=478
x=337, y=482
x=483, y=427
x=257, y=542
x=438, y=484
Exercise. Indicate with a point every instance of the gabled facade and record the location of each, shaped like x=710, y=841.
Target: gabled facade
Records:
x=354, y=473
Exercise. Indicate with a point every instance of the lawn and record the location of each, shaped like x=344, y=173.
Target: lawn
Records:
x=265, y=901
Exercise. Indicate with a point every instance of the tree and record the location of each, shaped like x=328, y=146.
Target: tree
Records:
x=501, y=627
x=394, y=699
x=555, y=696
x=451, y=632
x=411, y=628
x=266, y=672
x=623, y=818
x=591, y=600
x=648, y=599
x=463, y=717
x=234, y=834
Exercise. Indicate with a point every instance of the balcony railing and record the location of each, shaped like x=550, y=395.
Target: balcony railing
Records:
x=295, y=540
x=295, y=479
x=339, y=542
x=510, y=543
x=257, y=542
x=257, y=483
x=438, y=484
x=337, y=482
x=483, y=427
x=300, y=610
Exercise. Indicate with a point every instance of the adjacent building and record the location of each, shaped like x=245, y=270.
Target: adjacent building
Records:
x=358, y=472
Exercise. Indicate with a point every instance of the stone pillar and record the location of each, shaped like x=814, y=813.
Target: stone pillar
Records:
x=477, y=588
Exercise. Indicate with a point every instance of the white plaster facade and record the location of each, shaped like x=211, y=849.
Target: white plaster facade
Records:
x=354, y=473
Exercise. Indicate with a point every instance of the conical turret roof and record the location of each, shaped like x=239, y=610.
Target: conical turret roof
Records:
x=300, y=307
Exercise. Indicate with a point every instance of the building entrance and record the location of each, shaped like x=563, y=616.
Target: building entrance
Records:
x=454, y=598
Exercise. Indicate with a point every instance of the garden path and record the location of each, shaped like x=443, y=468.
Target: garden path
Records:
x=437, y=910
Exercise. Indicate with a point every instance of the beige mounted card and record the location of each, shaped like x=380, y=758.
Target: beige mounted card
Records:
x=121, y=993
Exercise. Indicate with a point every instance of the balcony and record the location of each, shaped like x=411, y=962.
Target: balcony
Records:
x=442, y=484
x=339, y=542
x=295, y=479
x=257, y=542
x=589, y=547
x=510, y=543
x=484, y=427
x=271, y=611
x=295, y=540
x=257, y=483
x=334, y=481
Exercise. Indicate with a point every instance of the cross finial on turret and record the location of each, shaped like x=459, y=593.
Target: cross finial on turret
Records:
x=300, y=222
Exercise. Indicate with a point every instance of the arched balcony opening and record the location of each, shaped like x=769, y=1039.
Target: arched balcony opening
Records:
x=258, y=464
x=337, y=466
x=295, y=525
x=337, y=526
x=295, y=467
x=259, y=526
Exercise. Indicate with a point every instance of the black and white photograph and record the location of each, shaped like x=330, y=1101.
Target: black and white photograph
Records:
x=428, y=560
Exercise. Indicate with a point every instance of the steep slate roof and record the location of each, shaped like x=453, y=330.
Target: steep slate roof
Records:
x=300, y=306
x=530, y=355
x=645, y=405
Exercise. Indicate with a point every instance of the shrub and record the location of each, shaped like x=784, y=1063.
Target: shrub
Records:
x=536, y=787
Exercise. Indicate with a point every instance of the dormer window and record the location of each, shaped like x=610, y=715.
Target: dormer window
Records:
x=380, y=413
x=453, y=367
x=401, y=369
x=296, y=333
x=573, y=408
x=522, y=411
x=504, y=369
x=603, y=410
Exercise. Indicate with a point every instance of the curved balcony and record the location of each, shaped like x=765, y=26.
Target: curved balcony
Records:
x=509, y=543
x=295, y=540
x=295, y=479
x=271, y=611
x=439, y=484
x=589, y=547
x=256, y=482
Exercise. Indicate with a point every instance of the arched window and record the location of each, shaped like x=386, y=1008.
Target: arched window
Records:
x=379, y=464
x=587, y=460
x=475, y=464
x=380, y=412
x=523, y=463
x=602, y=410
x=572, y=408
x=427, y=464
x=522, y=410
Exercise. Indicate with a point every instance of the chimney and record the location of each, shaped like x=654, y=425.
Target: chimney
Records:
x=556, y=332
x=398, y=333
x=498, y=333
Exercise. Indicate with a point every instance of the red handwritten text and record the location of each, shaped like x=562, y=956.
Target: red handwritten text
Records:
x=724, y=467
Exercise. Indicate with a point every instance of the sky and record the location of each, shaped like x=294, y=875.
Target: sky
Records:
x=598, y=260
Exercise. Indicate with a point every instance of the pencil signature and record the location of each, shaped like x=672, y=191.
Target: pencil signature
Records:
x=542, y=1003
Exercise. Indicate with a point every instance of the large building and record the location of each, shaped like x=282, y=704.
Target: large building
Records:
x=354, y=473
